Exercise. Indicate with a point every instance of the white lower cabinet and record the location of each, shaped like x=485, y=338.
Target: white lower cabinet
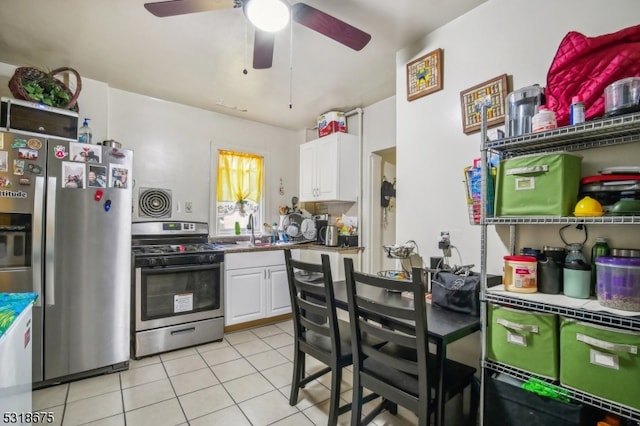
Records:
x=256, y=286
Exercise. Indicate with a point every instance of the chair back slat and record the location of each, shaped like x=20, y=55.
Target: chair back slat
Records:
x=387, y=335
x=393, y=312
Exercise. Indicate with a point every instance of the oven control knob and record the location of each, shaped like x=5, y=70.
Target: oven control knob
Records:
x=164, y=261
x=152, y=261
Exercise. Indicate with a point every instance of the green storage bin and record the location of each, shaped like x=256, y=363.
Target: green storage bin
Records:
x=601, y=361
x=523, y=339
x=538, y=185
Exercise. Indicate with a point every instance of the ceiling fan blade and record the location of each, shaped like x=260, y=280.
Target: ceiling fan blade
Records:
x=263, y=49
x=182, y=7
x=330, y=26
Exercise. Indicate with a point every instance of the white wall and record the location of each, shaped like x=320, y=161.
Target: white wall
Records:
x=516, y=37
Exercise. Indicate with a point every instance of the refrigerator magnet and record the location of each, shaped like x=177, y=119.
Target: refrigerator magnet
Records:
x=34, y=168
x=118, y=177
x=72, y=175
x=5, y=182
x=97, y=177
x=24, y=181
x=18, y=167
x=60, y=152
x=4, y=161
x=34, y=144
x=27, y=154
x=1, y=140
x=19, y=143
x=85, y=153
x=115, y=153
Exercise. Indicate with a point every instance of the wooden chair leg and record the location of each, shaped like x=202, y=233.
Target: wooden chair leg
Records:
x=356, y=403
x=298, y=374
x=336, y=379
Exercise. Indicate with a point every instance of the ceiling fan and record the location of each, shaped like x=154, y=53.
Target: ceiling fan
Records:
x=301, y=13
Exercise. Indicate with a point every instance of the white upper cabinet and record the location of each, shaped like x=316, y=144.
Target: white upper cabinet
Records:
x=329, y=168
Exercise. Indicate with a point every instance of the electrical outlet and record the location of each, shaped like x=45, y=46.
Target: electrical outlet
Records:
x=188, y=207
x=444, y=242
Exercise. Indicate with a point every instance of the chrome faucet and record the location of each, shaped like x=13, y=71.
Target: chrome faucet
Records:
x=250, y=224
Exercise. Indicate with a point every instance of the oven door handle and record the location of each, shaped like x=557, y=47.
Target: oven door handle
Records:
x=181, y=268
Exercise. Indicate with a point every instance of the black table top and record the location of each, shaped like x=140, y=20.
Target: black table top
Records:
x=444, y=325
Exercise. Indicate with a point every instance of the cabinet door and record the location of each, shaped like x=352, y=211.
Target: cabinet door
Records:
x=279, y=299
x=327, y=168
x=307, y=172
x=244, y=296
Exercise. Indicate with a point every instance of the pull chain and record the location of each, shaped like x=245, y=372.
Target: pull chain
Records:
x=290, y=61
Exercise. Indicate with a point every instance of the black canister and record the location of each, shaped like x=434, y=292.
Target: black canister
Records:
x=550, y=270
x=550, y=275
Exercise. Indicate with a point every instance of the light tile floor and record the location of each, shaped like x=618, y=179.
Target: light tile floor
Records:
x=244, y=380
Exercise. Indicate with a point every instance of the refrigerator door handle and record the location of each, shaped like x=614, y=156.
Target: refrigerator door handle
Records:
x=50, y=238
x=36, y=260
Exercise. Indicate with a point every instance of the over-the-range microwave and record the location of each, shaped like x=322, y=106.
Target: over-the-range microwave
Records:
x=36, y=119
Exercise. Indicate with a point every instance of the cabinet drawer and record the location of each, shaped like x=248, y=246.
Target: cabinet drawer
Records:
x=253, y=259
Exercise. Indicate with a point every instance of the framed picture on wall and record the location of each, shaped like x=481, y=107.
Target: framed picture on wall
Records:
x=424, y=75
x=495, y=91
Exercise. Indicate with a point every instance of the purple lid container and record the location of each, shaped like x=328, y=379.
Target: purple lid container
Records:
x=618, y=261
x=618, y=282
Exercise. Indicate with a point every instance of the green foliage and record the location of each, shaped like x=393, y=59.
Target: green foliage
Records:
x=47, y=91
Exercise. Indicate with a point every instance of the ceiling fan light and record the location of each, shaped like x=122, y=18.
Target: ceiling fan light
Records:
x=267, y=15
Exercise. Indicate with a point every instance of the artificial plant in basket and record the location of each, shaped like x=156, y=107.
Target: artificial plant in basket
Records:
x=33, y=84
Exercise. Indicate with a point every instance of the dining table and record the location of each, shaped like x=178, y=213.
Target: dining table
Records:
x=444, y=327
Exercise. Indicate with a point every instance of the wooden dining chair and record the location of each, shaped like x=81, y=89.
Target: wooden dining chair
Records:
x=318, y=331
x=402, y=372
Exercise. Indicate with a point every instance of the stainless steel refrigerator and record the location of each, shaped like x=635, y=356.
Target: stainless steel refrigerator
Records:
x=65, y=233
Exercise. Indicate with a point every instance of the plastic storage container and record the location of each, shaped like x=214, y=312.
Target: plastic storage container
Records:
x=545, y=119
x=524, y=339
x=622, y=97
x=577, y=279
x=507, y=404
x=601, y=361
x=521, y=274
x=538, y=185
x=522, y=105
x=618, y=282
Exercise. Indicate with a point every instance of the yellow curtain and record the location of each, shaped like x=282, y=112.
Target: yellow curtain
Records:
x=239, y=176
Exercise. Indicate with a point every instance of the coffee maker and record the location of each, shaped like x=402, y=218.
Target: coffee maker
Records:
x=321, y=230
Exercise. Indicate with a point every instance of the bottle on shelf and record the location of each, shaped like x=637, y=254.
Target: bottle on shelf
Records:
x=576, y=114
x=84, y=133
x=600, y=248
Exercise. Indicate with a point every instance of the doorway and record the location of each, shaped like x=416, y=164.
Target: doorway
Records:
x=382, y=230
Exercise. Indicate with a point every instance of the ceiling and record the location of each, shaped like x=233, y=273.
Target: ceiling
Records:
x=198, y=59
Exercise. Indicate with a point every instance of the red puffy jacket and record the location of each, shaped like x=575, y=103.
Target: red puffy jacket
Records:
x=585, y=66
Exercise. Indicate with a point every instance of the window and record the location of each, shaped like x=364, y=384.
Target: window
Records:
x=239, y=191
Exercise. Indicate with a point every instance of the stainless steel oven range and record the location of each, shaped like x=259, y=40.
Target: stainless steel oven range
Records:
x=177, y=287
